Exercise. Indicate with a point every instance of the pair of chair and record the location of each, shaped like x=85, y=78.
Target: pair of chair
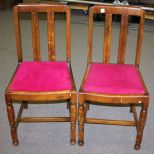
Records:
x=104, y=83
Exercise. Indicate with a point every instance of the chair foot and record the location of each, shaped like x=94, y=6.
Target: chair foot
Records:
x=72, y=142
x=137, y=147
x=15, y=143
x=73, y=134
x=80, y=143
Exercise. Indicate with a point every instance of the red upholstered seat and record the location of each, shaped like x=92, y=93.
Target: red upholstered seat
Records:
x=42, y=76
x=113, y=79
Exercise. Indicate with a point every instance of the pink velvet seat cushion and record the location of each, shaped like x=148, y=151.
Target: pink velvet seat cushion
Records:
x=113, y=79
x=41, y=76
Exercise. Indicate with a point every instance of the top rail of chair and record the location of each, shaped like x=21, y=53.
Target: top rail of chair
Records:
x=111, y=9
x=31, y=7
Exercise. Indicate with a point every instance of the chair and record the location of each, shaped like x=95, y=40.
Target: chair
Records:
x=114, y=84
x=39, y=81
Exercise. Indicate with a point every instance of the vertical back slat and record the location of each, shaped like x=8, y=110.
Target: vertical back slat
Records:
x=51, y=36
x=17, y=34
x=68, y=37
x=139, y=41
x=122, y=39
x=107, y=38
x=90, y=36
x=35, y=36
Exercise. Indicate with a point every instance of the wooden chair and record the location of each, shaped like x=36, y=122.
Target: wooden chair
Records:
x=37, y=81
x=114, y=84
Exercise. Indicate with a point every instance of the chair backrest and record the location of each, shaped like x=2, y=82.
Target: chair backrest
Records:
x=125, y=12
x=34, y=9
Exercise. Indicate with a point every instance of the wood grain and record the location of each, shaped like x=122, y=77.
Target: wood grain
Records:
x=107, y=38
x=35, y=36
x=51, y=36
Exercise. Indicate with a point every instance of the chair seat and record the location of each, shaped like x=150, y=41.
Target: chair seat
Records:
x=42, y=76
x=113, y=79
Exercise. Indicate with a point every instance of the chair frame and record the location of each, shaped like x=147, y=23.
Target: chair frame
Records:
x=25, y=96
x=114, y=99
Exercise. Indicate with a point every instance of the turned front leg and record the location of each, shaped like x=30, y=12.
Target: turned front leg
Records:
x=141, y=124
x=11, y=118
x=81, y=116
x=73, y=119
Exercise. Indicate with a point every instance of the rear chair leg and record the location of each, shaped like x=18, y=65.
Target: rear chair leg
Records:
x=11, y=118
x=131, y=108
x=68, y=103
x=72, y=107
x=81, y=116
x=141, y=124
x=87, y=105
x=25, y=104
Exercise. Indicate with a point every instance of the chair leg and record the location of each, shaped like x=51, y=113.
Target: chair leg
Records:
x=11, y=118
x=68, y=104
x=73, y=119
x=86, y=108
x=81, y=116
x=131, y=108
x=25, y=104
x=88, y=105
x=141, y=124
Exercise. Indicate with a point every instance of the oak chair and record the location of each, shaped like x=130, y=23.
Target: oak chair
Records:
x=39, y=81
x=114, y=84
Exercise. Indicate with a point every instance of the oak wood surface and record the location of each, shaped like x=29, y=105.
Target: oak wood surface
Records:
x=122, y=39
x=51, y=36
x=35, y=36
x=107, y=38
